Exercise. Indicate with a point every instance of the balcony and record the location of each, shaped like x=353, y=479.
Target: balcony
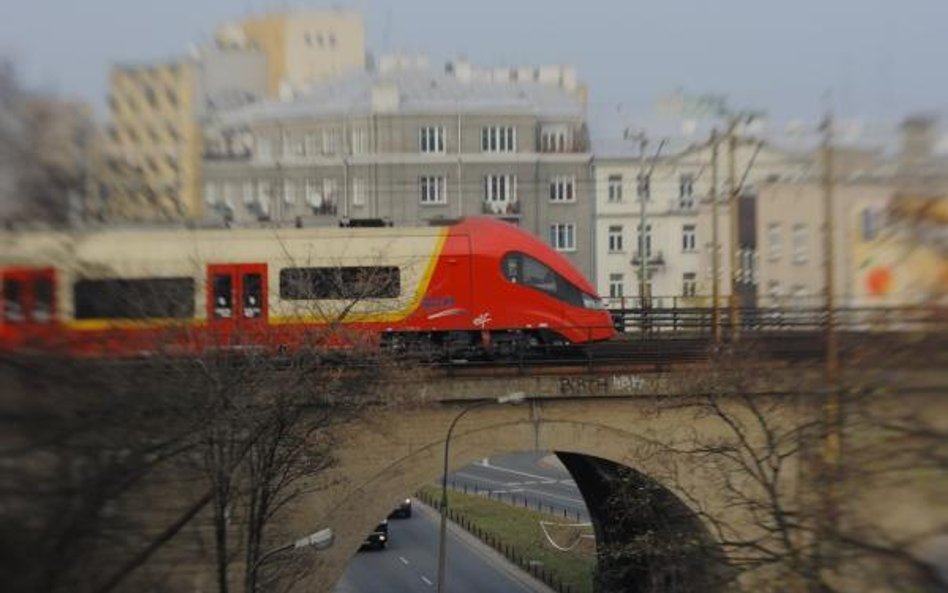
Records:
x=653, y=261
x=501, y=208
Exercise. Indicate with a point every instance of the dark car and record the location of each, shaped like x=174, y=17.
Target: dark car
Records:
x=402, y=511
x=378, y=538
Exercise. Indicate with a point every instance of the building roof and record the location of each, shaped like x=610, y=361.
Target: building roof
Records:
x=416, y=91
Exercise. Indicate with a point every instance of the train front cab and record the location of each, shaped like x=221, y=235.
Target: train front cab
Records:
x=28, y=316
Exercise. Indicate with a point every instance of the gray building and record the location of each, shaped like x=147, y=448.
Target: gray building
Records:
x=410, y=144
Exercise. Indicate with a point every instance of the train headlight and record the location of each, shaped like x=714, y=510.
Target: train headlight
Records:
x=591, y=302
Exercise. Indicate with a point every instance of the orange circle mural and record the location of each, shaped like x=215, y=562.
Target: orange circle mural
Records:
x=879, y=281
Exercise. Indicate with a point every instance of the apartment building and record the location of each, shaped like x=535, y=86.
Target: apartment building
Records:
x=301, y=47
x=151, y=166
x=676, y=241
x=413, y=144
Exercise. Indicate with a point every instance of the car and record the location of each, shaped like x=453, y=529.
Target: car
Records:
x=378, y=538
x=402, y=511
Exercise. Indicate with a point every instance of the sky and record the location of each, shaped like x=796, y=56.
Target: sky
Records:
x=873, y=59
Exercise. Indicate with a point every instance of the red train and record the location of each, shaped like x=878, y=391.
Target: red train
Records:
x=478, y=284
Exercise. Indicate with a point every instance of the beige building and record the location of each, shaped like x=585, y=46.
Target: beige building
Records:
x=302, y=47
x=677, y=237
x=151, y=166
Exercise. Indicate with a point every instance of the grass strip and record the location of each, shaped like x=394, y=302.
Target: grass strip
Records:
x=517, y=534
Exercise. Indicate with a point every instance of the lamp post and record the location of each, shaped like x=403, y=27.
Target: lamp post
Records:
x=512, y=398
x=318, y=540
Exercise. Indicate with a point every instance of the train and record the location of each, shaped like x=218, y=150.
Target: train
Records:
x=476, y=284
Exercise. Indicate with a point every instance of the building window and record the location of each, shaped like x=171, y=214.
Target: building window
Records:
x=330, y=196
x=774, y=241
x=870, y=223
x=431, y=139
x=563, y=236
x=289, y=192
x=210, y=193
x=555, y=139
x=498, y=139
x=616, y=283
x=686, y=188
x=500, y=188
x=800, y=239
x=433, y=190
x=688, y=238
x=358, y=140
x=330, y=141
x=313, y=197
x=615, y=239
x=249, y=192
x=139, y=298
x=615, y=188
x=358, y=191
x=563, y=189
x=645, y=240
x=689, y=284
x=643, y=185
x=264, y=148
x=311, y=142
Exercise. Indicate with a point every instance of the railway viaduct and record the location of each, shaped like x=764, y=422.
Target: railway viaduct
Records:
x=660, y=424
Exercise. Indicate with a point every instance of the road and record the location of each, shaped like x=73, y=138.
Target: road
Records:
x=409, y=563
x=535, y=477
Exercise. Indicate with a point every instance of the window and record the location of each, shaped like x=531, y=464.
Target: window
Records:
x=870, y=224
x=686, y=187
x=688, y=238
x=358, y=140
x=249, y=194
x=330, y=141
x=433, y=190
x=330, y=197
x=210, y=193
x=563, y=189
x=563, y=236
x=252, y=295
x=498, y=139
x=522, y=269
x=643, y=186
x=689, y=284
x=311, y=144
x=264, y=148
x=358, y=191
x=289, y=192
x=13, y=310
x=555, y=139
x=645, y=240
x=223, y=296
x=432, y=139
x=313, y=197
x=800, y=248
x=139, y=298
x=616, y=284
x=500, y=188
x=615, y=188
x=355, y=282
x=615, y=239
x=774, y=242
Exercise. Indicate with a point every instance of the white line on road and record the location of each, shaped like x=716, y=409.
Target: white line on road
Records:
x=403, y=560
x=427, y=582
x=519, y=473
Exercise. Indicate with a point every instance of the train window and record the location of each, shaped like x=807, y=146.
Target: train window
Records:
x=252, y=295
x=140, y=298
x=223, y=296
x=523, y=269
x=354, y=282
x=13, y=300
x=43, y=300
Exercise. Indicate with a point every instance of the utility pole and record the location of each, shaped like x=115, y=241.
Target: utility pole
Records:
x=642, y=191
x=735, y=315
x=715, y=288
x=832, y=346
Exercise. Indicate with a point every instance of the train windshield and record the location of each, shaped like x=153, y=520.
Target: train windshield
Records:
x=523, y=269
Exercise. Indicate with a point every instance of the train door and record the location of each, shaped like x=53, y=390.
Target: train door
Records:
x=29, y=303
x=237, y=297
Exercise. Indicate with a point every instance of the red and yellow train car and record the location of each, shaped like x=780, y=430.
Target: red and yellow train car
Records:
x=479, y=283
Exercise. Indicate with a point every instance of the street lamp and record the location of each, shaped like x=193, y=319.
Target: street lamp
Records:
x=318, y=540
x=511, y=398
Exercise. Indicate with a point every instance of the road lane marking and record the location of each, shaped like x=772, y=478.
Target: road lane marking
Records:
x=404, y=560
x=519, y=473
x=427, y=582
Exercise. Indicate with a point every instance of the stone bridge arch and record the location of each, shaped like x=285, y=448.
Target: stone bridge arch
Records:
x=394, y=453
